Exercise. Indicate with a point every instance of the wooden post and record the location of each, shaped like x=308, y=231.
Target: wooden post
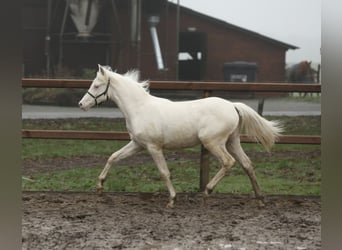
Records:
x=204, y=164
x=204, y=169
x=261, y=105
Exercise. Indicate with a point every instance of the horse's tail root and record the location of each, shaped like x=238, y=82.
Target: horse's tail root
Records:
x=264, y=131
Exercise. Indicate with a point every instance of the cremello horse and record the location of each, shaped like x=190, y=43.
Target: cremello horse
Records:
x=156, y=123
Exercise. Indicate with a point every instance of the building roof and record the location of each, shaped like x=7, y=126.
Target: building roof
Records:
x=234, y=27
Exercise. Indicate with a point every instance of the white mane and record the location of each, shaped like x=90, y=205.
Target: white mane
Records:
x=134, y=75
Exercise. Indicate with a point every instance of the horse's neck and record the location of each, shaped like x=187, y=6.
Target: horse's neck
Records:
x=128, y=97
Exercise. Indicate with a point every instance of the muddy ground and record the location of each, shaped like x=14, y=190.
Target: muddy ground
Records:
x=57, y=220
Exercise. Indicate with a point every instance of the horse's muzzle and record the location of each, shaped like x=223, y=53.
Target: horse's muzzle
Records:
x=80, y=104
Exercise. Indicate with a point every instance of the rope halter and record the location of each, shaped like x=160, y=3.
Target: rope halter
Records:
x=99, y=95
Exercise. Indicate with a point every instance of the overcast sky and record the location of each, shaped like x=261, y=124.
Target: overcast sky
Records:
x=297, y=22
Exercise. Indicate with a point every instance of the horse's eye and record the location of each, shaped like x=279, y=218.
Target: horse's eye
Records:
x=96, y=86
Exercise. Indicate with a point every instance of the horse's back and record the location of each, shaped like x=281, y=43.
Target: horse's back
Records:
x=197, y=110
x=206, y=118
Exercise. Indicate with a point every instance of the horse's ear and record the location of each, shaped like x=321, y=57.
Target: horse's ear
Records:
x=101, y=70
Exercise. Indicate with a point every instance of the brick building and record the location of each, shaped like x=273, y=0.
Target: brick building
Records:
x=204, y=43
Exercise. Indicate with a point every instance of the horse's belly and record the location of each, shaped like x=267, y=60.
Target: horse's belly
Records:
x=169, y=137
x=180, y=139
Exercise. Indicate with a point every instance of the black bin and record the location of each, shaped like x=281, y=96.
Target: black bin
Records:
x=240, y=71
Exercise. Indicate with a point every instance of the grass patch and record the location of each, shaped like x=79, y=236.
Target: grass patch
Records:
x=274, y=176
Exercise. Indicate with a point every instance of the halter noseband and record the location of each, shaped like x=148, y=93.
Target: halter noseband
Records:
x=103, y=93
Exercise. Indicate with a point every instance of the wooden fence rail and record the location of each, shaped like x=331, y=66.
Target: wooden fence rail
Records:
x=206, y=87
x=124, y=136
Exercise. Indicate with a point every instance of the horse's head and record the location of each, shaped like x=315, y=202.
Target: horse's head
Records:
x=307, y=72
x=300, y=72
x=98, y=91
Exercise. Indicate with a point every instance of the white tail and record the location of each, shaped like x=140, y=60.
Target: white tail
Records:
x=264, y=131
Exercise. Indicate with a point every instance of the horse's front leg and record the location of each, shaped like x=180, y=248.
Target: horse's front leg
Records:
x=159, y=159
x=128, y=150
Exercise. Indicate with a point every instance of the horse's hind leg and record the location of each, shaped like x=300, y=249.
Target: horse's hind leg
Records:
x=226, y=161
x=234, y=147
x=128, y=150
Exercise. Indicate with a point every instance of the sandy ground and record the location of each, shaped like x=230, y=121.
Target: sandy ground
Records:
x=59, y=220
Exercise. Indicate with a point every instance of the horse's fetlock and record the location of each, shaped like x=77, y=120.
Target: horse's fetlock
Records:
x=171, y=202
x=99, y=189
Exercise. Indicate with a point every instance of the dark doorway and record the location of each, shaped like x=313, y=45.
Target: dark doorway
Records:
x=192, y=55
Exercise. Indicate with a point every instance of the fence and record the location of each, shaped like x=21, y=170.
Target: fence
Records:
x=206, y=87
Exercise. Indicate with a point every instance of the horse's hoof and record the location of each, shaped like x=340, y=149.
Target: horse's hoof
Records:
x=208, y=191
x=170, y=204
x=99, y=190
x=261, y=203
